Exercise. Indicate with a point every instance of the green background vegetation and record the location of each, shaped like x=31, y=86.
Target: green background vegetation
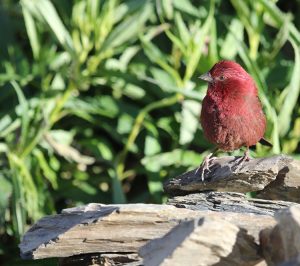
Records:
x=100, y=100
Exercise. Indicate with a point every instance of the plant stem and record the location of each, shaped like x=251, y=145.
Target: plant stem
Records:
x=60, y=104
x=18, y=217
x=254, y=43
x=54, y=117
x=137, y=127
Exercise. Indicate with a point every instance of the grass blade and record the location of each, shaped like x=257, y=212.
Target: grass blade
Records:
x=32, y=32
x=48, y=13
x=285, y=115
x=189, y=121
x=24, y=113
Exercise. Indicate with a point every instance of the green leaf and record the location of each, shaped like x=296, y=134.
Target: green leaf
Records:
x=47, y=171
x=187, y=7
x=85, y=187
x=62, y=136
x=155, y=186
x=212, y=47
x=164, y=80
x=105, y=150
x=103, y=105
x=5, y=194
x=3, y=147
x=174, y=158
x=5, y=121
x=133, y=91
x=278, y=18
x=285, y=114
x=128, y=29
x=158, y=57
x=184, y=33
x=125, y=123
x=168, y=8
x=152, y=145
x=230, y=46
x=24, y=112
x=58, y=83
x=48, y=13
x=32, y=32
x=118, y=195
x=197, y=44
x=28, y=188
x=165, y=123
x=189, y=121
x=281, y=38
x=243, y=12
x=127, y=56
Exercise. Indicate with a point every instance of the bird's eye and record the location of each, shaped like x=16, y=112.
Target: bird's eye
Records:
x=222, y=77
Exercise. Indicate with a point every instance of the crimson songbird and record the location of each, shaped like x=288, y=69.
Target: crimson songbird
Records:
x=231, y=115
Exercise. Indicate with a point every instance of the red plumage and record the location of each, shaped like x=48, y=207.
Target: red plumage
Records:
x=231, y=115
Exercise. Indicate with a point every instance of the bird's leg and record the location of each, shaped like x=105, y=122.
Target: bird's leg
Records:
x=206, y=163
x=245, y=158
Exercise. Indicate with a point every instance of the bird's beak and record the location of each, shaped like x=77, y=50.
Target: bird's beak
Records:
x=207, y=77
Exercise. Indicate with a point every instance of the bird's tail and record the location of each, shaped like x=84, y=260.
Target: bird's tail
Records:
x=265, y=142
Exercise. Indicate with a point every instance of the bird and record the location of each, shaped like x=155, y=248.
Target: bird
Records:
x=232, y=116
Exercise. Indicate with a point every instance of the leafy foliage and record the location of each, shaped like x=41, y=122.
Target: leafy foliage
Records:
x=100, y=99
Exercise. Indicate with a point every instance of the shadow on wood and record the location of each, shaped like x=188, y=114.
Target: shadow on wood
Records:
x=205, y=241
x=276, y=177
x=212, y=221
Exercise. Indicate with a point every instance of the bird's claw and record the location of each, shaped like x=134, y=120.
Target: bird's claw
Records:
x=204, y=166
x=245, y=158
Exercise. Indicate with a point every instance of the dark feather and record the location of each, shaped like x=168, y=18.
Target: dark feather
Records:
x=263, y=141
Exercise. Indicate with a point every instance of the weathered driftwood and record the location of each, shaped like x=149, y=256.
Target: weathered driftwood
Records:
x=276, y=177
x=211, y=241
x=106, y=259
x=202, y=242
x=281, y=244
x=228, y=202
x=217, y=226
x=97, y=228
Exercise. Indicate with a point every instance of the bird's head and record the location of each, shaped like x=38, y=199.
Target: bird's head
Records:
x=229, y=76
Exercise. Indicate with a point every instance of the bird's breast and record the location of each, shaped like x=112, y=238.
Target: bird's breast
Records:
x=233, y=123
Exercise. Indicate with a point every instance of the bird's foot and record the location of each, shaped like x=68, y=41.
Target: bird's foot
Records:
x=240, y=162
x=204, y=166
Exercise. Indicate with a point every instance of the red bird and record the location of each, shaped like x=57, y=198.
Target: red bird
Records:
x=231, y=115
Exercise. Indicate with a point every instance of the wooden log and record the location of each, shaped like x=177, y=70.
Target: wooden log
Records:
x=106, y=259
x=202, y=242
x=276, y=177
x=113, y=234
x=98, y=228
x=280, y=245
x=228, y=202
x=286, y=186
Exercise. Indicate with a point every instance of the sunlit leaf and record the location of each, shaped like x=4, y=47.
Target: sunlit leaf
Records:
x=285, y=114
x=5, y=194
x=47, y=171
x=190, y=115
x=127, y=29
x=32, y=33
x=230, y=46
x=24, y=112
x=173, y=158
